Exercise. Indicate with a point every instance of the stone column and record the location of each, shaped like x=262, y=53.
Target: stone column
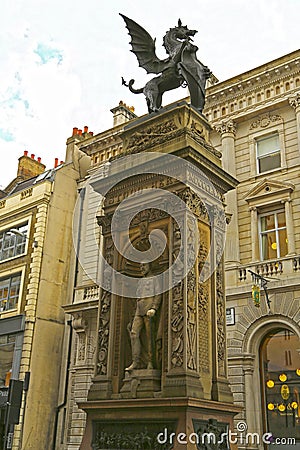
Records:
x=250, y=400
x=289, y=227
x=227, y=129
x=295, y=103
x=254, y=234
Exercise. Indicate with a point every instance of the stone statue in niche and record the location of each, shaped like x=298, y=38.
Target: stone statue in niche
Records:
x=180, y=68
x=148, y=303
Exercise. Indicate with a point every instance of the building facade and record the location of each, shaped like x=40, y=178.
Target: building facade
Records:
x=255, y=120
x=36, y=212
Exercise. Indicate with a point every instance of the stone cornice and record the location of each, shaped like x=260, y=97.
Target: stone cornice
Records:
x=271, y=86
x=260, y=76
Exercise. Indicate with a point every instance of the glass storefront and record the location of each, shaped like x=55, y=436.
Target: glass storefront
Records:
x=280, y=371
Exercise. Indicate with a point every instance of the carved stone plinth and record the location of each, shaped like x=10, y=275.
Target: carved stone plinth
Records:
x=188, y=331
x=157, y=424
x=141, y=383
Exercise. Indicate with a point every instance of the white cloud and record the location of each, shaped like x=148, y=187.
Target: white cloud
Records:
x=62, y=62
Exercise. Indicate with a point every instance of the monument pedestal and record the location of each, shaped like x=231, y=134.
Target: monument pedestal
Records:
x=164, y=423
x=187, y=391
x=141, y=383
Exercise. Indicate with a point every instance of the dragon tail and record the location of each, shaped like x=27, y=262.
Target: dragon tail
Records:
x=131, y=88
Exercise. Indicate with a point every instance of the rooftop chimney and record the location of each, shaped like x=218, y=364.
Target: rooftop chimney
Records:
x=122, y=113
x=29, y=167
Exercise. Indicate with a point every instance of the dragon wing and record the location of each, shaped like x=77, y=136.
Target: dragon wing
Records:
x=143, y=46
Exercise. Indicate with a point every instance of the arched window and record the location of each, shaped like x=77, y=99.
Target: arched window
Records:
x=280, y=377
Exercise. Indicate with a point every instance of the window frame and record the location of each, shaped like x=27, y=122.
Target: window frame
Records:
x=253, y=137
x=276, y=229
x=9, y=288
x=18, y=241
x=10, y=274
x=270, y=154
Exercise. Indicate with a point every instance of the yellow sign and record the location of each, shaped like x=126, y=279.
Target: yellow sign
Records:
x=256, y=295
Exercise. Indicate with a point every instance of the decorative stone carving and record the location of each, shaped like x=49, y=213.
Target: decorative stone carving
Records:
x=265, y=120
x=194, y=203
x=177, y=320
x=177, y=326
x=131, y=435
x=208, y=428
x=153, y=135
x=226, y=126
x=105, y=223
x=220, y=312
x=191, y=321
x=295, y=101
x=104, y=314
x=80, y=325
x=203, y=302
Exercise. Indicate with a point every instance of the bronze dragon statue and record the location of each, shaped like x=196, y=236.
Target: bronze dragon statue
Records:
x=179, y=68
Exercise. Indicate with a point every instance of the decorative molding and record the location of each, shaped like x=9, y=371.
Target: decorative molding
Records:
x=79, y=323
x=2, y=204
x=26, y=193
x=265, y=120
x=226, y=126
x=294, y=101
x=266, y=189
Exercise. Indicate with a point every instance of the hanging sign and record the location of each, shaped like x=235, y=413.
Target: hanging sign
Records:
x=256, y=295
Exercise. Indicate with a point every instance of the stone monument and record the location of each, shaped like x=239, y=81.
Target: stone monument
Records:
x=161, y=374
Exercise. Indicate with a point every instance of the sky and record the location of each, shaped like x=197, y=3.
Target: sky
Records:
x=61, y=62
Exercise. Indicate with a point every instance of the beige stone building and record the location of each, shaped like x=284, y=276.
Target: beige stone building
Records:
x=256, y=117
x=255, y=120
x=36, y=211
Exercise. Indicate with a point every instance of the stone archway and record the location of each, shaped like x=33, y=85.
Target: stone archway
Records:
x=253, y=324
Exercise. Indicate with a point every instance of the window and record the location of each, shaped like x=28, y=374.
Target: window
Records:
x=281, y=384
x=7, y=347
x=13, y=241
x=9, y=292
x=268, y=153
x=273, y=235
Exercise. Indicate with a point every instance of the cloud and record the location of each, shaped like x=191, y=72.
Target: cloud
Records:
x=6, y=135
x=47, y=53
